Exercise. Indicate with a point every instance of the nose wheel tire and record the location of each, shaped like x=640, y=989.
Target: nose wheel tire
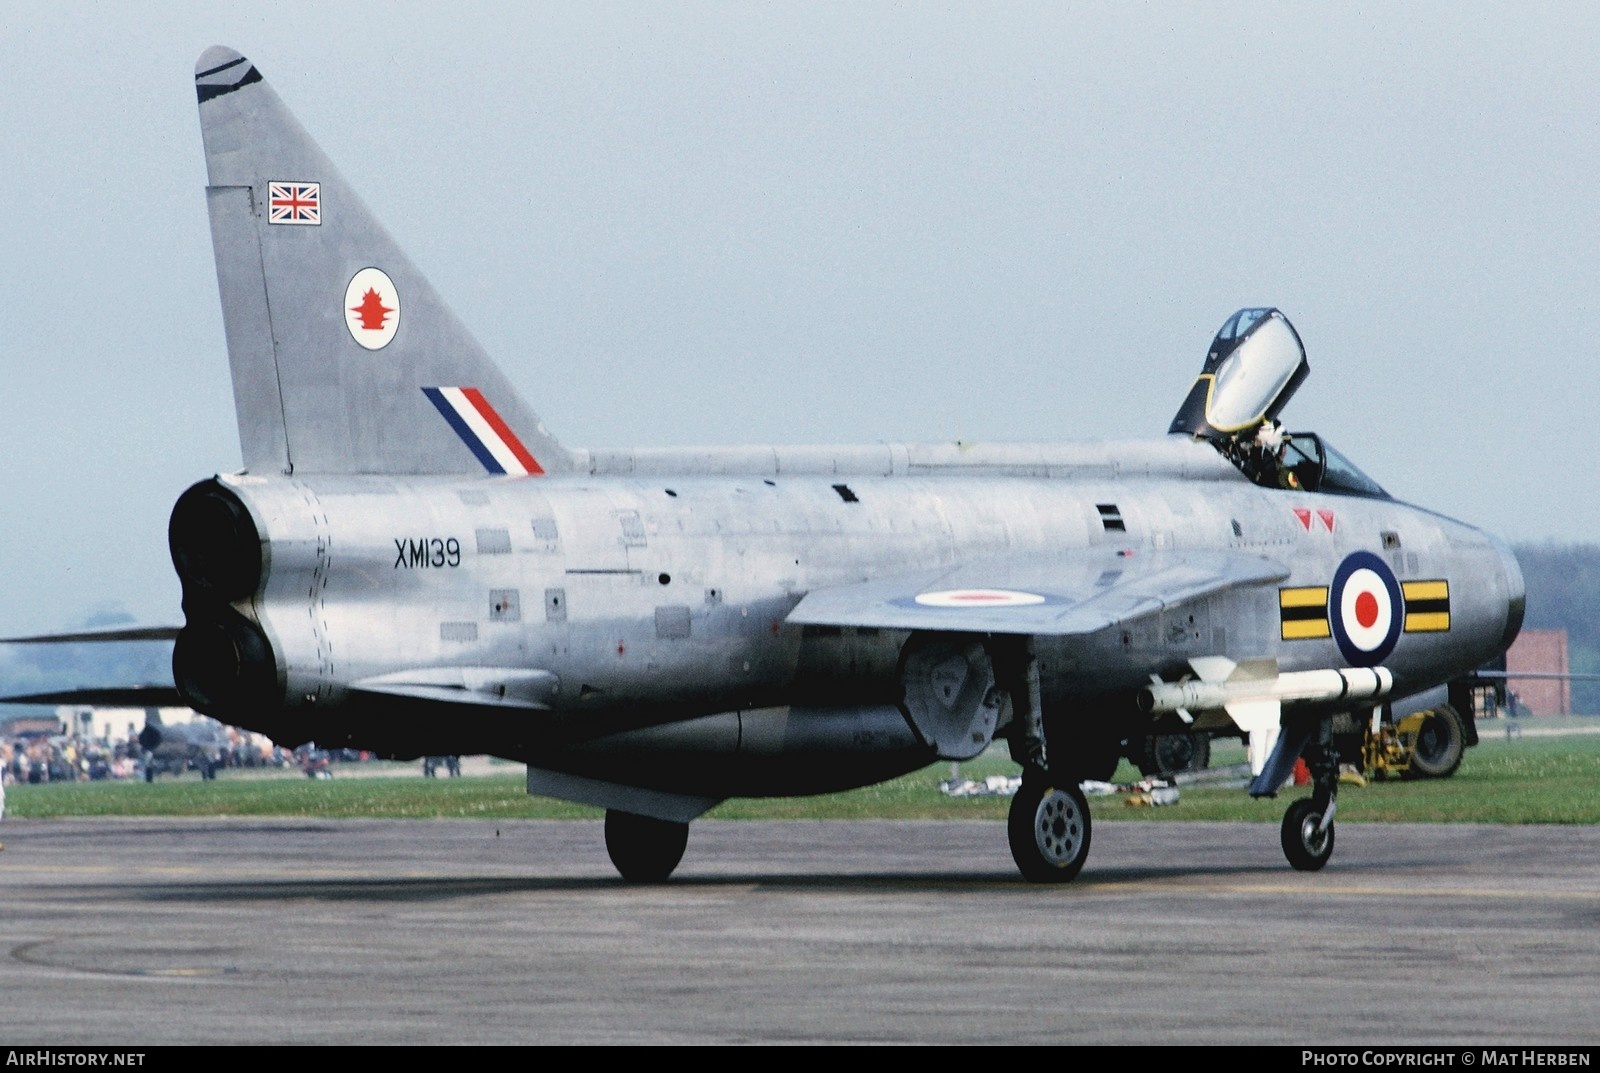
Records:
x=1306, y=847
x=1049, y=830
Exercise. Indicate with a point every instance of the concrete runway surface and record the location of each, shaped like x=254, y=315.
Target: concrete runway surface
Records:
x=131, y=932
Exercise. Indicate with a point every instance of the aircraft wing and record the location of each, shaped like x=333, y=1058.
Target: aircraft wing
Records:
x=107, y=697
x=131, y=696
x=120, y=633
x=1072, y=593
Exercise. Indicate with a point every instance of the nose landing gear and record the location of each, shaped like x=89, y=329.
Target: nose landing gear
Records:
x=1307, y=833
x=1307, y=840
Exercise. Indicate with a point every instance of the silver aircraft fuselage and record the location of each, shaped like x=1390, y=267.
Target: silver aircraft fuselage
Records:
x=410, y=562
x=636, y=611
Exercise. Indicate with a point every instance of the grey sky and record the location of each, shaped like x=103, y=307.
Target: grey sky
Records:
x=718, y=223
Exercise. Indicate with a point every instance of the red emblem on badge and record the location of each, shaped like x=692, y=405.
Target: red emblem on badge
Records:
x=372, y=308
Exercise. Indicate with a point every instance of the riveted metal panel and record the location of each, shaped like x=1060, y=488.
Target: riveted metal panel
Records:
x=505, y=605
x=632, y=529
x=555, y=605
x=672, y=623
x=494, y=542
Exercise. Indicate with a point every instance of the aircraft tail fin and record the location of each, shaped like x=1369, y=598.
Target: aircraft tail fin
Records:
x=344, y=358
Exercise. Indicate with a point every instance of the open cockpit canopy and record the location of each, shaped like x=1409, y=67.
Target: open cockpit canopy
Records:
x=1254, y=366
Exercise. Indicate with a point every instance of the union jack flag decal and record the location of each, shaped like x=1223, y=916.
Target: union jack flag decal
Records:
x=294, y=203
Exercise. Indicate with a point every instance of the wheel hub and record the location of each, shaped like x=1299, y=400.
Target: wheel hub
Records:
x=1311, y=833
x=1059, y=828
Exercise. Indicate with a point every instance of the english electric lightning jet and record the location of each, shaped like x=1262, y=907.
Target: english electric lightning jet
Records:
x=176, y=747
x=409, y=563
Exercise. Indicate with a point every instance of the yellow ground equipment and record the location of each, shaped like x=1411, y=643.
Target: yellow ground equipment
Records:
x=1425, y=744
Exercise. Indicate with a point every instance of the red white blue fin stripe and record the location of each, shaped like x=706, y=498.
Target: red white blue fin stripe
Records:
x=484, y=431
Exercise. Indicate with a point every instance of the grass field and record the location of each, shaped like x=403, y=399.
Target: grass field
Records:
x=1531, y=779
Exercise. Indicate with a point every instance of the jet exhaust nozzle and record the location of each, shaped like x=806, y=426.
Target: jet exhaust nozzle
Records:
x=223, y=666
x=215, y=546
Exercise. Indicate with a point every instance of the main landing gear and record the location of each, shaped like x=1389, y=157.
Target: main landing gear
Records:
x=1048, y=824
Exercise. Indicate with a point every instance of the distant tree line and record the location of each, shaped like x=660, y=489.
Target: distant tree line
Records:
x=1564, y=593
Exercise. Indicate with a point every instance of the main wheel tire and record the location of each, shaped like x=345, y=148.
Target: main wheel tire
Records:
x=1440, y=744
x=1168, y=754
x=1306, y=848
x=644, y=849
x=1049, y=830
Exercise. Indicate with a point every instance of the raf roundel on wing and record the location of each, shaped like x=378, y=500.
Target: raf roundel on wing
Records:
x=979, y=598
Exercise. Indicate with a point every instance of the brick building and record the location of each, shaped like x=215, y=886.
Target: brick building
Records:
x=1540, y=652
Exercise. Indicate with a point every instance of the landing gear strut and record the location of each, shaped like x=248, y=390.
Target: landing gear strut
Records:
x=1307, y=833
x=1049, y=820
x=644, y=849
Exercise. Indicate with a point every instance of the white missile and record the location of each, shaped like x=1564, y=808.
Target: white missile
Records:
x=1253, y=694
x=1321, y=686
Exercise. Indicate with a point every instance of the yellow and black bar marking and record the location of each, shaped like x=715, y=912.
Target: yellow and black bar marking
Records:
x=1427, y=606
x=1303, y=613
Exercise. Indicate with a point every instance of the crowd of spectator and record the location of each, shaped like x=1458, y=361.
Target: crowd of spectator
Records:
x=33, y=756
x=40, y=758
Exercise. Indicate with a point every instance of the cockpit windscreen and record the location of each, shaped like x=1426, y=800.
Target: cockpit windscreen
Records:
x=1301, y=462
x=1341, y=477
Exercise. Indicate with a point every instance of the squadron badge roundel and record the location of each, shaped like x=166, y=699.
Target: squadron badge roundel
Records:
x=372, y=308
x=1365, y=609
